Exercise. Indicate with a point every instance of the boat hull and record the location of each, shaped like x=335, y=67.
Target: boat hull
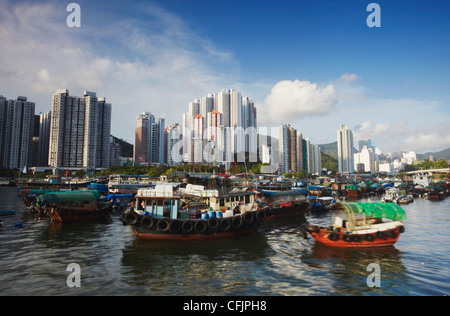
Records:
x=287, y=209
x=153, y=228
x=332, y=238
x=67, y=214
x=155, y=235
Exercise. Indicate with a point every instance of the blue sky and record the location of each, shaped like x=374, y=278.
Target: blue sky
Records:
x=312, y=64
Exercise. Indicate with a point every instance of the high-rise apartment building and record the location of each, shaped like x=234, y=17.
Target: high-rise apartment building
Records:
x=44, y=138
x=345, y=150
x=149, y=139
x=173, y=133
x=79, y=131
x=284, y=149
x=297, y=153
x=292, y=151
x=16, y=132
x=315, y=157
x=236, y=133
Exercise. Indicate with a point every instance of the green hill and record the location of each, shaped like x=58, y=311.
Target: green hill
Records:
x=438, y=155
x=126, y=148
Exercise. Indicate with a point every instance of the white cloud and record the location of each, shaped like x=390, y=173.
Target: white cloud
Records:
x=292, y=100
x=157, y=64
x=347, y=77
x=369, y=130
x=429, y=138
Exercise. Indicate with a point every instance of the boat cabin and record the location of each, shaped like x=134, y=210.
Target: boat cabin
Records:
x=270, y=197
x=366, y=217
x=161, y=201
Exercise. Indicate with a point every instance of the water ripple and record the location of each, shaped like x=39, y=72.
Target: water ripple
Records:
x=276, y=260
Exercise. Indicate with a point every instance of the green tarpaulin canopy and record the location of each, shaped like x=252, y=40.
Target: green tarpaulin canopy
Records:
x=375, y=210
x=72, y=196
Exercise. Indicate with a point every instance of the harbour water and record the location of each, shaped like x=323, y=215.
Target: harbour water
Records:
x=275, y=260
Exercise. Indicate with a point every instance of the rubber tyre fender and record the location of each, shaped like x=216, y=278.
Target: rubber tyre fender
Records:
x=369, y=237
x=175, y=226
x=236, y=222
x=347, y=238
x=213, y=223
x=391, y=234
x=131, y=218
x=187, y=227
x=201, y=226
x=163, y=225
x=401, y=229
x=147, y=221
x=333, y=236
x=225, y=224
x=248, y=217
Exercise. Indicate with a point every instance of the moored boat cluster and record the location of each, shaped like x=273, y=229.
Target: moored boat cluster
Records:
x=186, y=211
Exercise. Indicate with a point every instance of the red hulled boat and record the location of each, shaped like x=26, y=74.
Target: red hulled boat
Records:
x=360, y=225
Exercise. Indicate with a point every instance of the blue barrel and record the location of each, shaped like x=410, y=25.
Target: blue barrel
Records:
x=211, y=214
x=219, y=214
x=205, y=216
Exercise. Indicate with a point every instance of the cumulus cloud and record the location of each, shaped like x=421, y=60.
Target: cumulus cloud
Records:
x=436, y=137
x=139, y=64
x=293, y=100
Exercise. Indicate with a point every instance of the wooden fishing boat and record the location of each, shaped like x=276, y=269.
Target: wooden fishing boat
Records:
x=320, y=203
x=283, y=203
x=29, y=195
x=360, y=225
x=156, y=214
x=74, y=206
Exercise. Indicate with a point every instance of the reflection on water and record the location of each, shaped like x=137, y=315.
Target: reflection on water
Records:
x=275, y=260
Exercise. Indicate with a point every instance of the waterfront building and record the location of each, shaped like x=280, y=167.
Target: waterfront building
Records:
x=79, y=131
x=345, y=150
x=149, y=139
x=366, y=157
x=16, y=132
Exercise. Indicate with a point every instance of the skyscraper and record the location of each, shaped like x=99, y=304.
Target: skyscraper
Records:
x=79, y=131
x=215, y=135
x=237, y=119
x=345, y=150
x=149, y=139
x=173, y=144
x=293, y=153
x=44, y=138
x=16, y=132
